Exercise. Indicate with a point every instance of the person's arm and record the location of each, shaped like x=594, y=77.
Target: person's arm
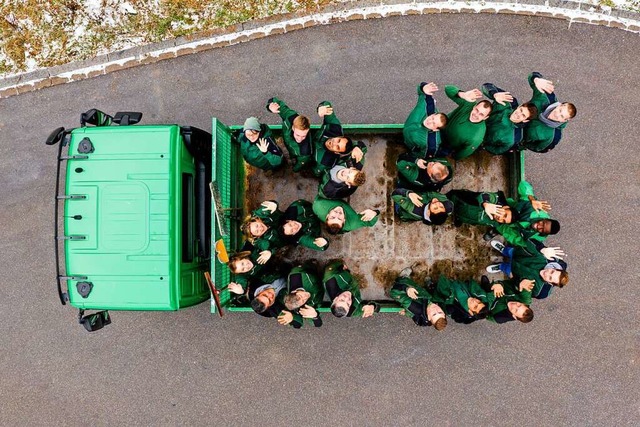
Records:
x=540, y=99
x=314, y=241
x=331, y=126
x=501, y=101
x=286, y=114
x=274, y=153
x=454, y=94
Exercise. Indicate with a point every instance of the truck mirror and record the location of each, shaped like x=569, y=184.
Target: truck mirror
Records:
x=124, y=118
x=96, y=118
x=95, y=321
x=55, y=136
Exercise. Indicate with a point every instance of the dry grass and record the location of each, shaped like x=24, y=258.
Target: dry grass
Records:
x=37, y=33
x=43, y=33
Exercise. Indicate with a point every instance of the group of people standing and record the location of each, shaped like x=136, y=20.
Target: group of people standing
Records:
x=498, y=126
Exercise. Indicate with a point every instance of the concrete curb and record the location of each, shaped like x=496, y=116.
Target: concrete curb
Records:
x=279, y=24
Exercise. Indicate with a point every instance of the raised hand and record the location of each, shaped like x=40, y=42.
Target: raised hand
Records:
x=498, y=290
x=368, y=214
x=551, y=253
x=430, y=88
x=470, y=95
x=526, y=285
x=274, y=107
x=325, y=110
x=308, y=312
x=539, y=205
x=503, y=97
x=544, y=85
x=263, y=145
x=367, y=310
x=412, y=293
x=285, y=318
x=235, y=288
x=320, y=242
x=264, y=257
x=357, y=154
x=416, y=199
x=270, y=206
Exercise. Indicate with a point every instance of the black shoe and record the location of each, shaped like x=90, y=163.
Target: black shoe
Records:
x=490, y=234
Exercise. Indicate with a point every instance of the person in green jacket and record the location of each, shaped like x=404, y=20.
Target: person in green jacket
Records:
x=344, y=292
x=417, y=303
x=532, y=217
x=423, y=174
x=261, y=227
x=300, y=226
x=507, y=120
x=304, y=294
x=508, y=304
x=246, y=265
x=460, y=300
x=421, y=130
x=466, y=124
x=481, y=208
x=331, y=146
x=340, y=218
x=429, y=207
x=545, y=131
x=340, y=182
x=258, y=147
x=537, y=272
x=295, y=133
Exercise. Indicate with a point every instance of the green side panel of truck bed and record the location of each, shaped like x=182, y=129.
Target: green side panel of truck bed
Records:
x=129, y=218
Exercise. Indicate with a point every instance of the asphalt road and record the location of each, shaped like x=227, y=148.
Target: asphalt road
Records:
x=576, y=364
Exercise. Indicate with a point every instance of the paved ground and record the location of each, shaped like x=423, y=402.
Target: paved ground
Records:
x=576, y=364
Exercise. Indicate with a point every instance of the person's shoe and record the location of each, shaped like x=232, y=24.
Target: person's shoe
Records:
x=490, y=234
x=405, y=272
x=485, y=282
x=493, y=268
x=497, y=246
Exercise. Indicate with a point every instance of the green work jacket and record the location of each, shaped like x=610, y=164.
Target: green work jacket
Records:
x=321, y=208
x=502, y=134
x=326, y=159
x=538, y=136
x=419, y=139
x=460, y=134
x=417, y=178
x=302, y=211
x=271, y=239
x=304, y=277
x=270, y=160
x=344, y=281
x=300, y=153
x=401, y=198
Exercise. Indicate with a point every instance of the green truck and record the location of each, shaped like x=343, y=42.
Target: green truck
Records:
x=147, y=210
x=136, y=215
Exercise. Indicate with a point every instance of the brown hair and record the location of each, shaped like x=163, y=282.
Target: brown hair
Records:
x=334, y=228
x=440, y=324
x=246, y=230
x=571, y=109
x=527, y=316
x=486, y=104
x=564, y=279
x=235, y=258
x=359, y=178
x=531, y=109
x=443, y=118
x=301, y=122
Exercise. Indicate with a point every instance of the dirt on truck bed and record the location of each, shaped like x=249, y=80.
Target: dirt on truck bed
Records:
x=376, y=254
